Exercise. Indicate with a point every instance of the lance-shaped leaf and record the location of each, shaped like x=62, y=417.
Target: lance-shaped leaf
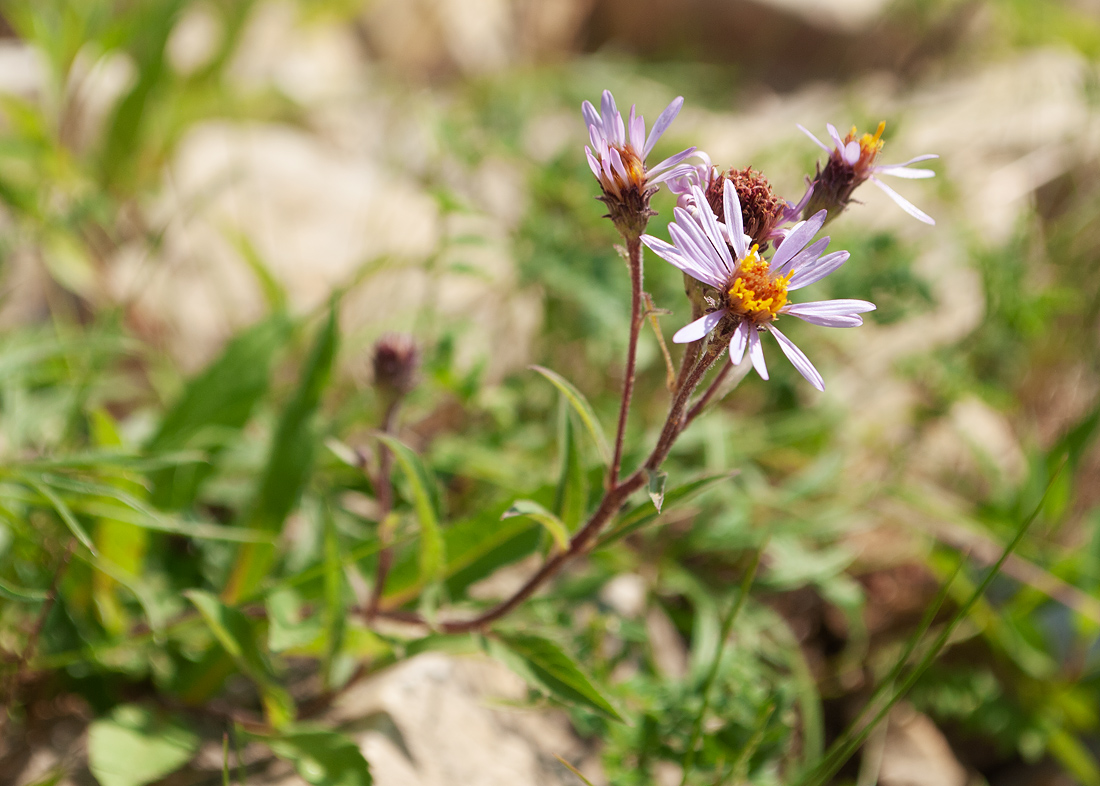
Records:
x=546, y=667
x=533, y=510
x=643, y=514
x=581, y=406
x=421, y=485
x=571, y=494
x=656, y=487
x=289, y=462
x=235, y=633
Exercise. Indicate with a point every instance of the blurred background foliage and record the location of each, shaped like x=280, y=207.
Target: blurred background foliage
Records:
x=212, y=208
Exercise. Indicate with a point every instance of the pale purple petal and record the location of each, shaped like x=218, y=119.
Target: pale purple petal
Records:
x=851, y=152
x=699, y=328
x=691, y=241
x=717, y=236
x=798, y=359
x=806, y=256
x=735, y=224
x=797, y=239
x=593, y=164
x=832, y=134
x=830, y=307
x=663, y=122
x=808, y=133
x=610, y=113
x=738, y=343
x=668, y=163
x=617, y=163
x=756, y=354
x=671, y=176
x=904, y=203
x=817, y=270
x=917, y=160
x=591, y=116
x=675, y=257
x=595, y=136
x=830, y=321
x=637, y=132
x=899, y=170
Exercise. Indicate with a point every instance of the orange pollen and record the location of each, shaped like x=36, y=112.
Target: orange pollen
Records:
x=755, y=294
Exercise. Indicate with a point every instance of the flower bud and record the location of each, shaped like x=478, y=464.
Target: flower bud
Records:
x=396, y=362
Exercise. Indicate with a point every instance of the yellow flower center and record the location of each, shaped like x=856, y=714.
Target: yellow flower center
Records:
x=755, y=294
x=870, y=145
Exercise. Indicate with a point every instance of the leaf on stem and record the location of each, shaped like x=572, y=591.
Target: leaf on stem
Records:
x=533, y=510
x=421, y=484
x=545, y=666
x=655, y=487
x=581, y=406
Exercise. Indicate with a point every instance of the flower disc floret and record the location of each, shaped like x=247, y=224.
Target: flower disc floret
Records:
x=756, y=295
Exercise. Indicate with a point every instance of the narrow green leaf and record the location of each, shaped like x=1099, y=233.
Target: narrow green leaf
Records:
x=581, y=406
x=289, y=461
x=235, y=633
x=20, y=594
x=656, y=487
x=533, y=510
x=571, y=494
x=421, y=482
x=574, y=770
x=133, y=747
x=273, y=290
x=546, y=666
x=334, y=609
x=218, y=401
x=321, y=756
x=65, y=513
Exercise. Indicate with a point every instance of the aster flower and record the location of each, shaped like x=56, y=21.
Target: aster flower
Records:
x=617, y=159
x=852, y=162
x=751, y=293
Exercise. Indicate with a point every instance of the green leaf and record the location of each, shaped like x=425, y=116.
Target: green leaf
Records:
x=421, y=483
x=218, y=401
x=321, y=756
x=235, y=633
x=334, y=610
x=533, y=510
x=546, y=666
x=66, y=514
x=274, y=292
x=289, y=462
x=288, y=626
x=571, y=494
x=132, y=747
x=656, y=487
x=581, y=406
x=643, y=514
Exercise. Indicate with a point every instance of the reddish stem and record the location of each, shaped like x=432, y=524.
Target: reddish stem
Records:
x=634, y=253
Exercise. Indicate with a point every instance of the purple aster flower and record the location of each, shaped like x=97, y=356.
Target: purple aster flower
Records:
x=617, y=159
x=751, y=293
x=851, y=163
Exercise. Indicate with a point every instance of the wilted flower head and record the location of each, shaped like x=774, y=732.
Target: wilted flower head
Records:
x=395, y=362
x=763, y=213
x=751, y=293
x=617, y=159
x=851, y=163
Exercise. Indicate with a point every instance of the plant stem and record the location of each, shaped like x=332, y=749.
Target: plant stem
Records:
x=634, y=254
x=612, y=500
x=711, y=391
x=712, y=674
x=383, y=491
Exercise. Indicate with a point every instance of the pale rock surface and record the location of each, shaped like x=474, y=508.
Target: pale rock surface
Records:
x=917, y=754
x=462, y=721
